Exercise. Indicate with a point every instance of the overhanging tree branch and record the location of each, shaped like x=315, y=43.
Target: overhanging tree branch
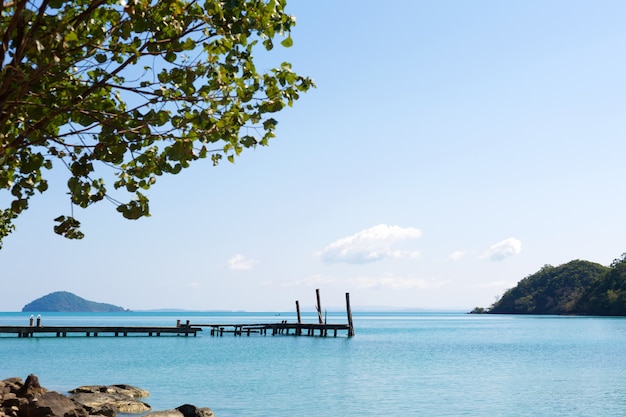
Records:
x=65, y=97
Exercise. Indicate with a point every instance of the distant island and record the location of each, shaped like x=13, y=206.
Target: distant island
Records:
x=66, y=302
x=575, y=288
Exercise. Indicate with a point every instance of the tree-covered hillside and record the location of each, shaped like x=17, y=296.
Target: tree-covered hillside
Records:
x=552, y=290
x=606, y=296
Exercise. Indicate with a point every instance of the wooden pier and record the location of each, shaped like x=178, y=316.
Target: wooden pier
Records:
x=63, y=331
x=282, y=328
x=322, y=328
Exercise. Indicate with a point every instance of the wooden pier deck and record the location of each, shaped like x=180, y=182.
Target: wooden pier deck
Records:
x=282, y=328
x=63, y=331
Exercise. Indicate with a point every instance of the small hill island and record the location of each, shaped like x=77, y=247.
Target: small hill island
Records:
x=66, y=302
x=575, y=288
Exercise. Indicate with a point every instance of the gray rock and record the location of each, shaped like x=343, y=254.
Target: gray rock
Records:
x=185, y=410
x=31, y=387
x=10, y=399
x=14, y=384
x=104, y=399
x=165, y=413
x=105, y=410
x=29, y=399
x=189, y=410
x=52, y=404
x=121, y=402
x=124, y=389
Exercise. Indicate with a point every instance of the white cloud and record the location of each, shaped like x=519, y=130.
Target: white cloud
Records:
x=370, y=245
x=501, y=250
x=240, y=263
x=455, y=256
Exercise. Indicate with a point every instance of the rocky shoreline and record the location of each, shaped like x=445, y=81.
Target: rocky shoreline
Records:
x=29, y=399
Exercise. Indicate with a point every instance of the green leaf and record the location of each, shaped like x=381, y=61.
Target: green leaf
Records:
x=71, y=37
x=248, y=141
x=287, y=42
x=68, y=227
x=170, y=56
x=189, y=44
x=17, y=206
x=42, y=186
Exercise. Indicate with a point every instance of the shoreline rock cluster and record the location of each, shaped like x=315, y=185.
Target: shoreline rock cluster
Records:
x=29, y=399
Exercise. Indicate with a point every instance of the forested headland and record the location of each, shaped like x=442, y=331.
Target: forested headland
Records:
x=575, y=288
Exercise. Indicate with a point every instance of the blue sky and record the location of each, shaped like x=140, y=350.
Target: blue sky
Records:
x=450, y=149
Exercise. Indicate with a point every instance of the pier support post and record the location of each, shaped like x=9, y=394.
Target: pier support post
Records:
x=299, y=329
x=319, y=307
x=349, y=311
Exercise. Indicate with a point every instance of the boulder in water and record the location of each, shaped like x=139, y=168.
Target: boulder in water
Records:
x=29, y=399
x=185, y=410
x=122, y=398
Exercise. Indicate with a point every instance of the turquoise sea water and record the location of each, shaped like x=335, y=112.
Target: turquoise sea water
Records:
x=398, y=364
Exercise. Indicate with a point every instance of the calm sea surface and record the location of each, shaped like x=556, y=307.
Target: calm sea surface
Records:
x=398, y=364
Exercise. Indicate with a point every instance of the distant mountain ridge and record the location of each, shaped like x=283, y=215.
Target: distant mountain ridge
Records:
x=63, y=301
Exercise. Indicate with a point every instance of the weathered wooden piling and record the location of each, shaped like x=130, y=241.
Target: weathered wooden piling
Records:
x=319, y=307
x=299, y=329
x=349, y=312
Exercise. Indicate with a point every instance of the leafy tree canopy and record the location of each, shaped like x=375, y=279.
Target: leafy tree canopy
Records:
x=130, y=90
x=551, y=290
x=606, y=296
